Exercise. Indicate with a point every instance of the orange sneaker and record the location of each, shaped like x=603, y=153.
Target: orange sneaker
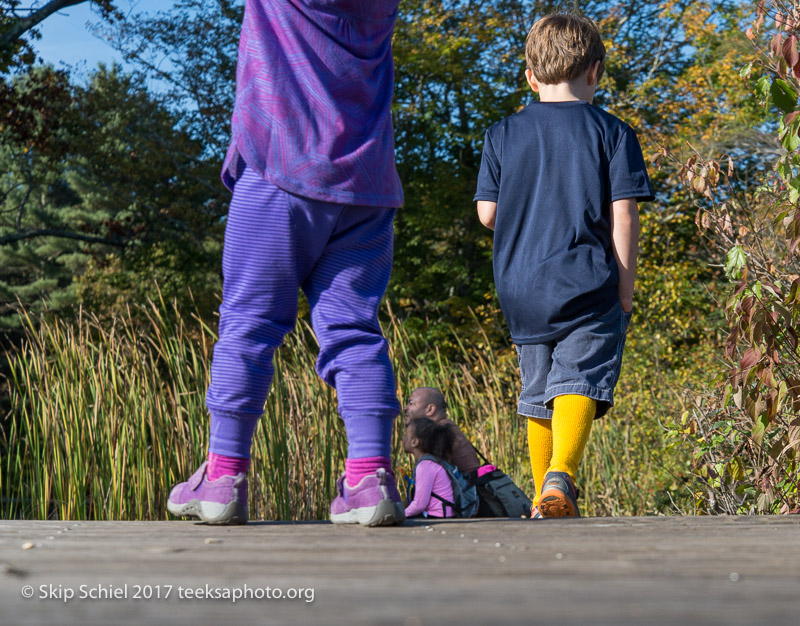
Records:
x=559, y=498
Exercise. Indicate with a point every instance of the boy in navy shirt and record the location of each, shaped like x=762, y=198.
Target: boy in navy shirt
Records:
x=559, y=184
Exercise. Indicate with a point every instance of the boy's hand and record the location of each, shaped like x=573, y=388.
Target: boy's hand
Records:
x=487, y=212
x=625, y=239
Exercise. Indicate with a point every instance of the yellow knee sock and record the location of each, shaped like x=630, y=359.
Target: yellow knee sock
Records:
x=572, y=421
x=540, y=446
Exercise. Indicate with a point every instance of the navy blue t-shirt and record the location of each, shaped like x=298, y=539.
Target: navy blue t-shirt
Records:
x=554, y=169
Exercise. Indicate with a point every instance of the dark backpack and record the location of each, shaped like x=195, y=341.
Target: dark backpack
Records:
x=497, y=493
x=465, y=495
x=500, y=497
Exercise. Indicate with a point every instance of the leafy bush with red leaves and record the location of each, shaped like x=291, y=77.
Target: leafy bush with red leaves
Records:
x=746, y=430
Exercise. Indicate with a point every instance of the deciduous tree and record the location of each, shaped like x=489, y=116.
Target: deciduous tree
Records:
x=18, y=27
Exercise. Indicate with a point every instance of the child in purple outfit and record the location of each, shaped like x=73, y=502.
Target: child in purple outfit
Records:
x=424, y=437
x=311, y=167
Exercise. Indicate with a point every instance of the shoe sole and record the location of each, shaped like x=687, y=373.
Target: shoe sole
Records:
x=385, y=513
x=555, y=503
x=215, y=513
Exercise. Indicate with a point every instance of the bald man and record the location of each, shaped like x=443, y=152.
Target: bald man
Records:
x=429, y=402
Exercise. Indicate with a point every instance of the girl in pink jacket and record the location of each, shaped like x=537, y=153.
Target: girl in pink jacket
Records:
x=426, y=437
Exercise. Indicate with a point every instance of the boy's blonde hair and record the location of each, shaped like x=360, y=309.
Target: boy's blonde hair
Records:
x=562, y=46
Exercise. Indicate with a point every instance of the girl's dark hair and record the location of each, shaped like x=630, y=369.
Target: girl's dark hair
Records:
x=434, y=438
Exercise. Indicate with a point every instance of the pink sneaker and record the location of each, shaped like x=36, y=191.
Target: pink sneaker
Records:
x=221, y=501
x=374, y=501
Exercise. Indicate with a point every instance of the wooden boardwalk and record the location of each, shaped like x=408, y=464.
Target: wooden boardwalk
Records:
x=689, y=570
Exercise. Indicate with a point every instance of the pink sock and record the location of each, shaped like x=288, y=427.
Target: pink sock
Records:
x=356, y=469
x=221, y=465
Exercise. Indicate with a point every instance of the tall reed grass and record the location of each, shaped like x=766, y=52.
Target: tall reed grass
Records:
x=107, y=416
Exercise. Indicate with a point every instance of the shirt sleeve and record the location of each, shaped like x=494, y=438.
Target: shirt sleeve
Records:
x=627, y=171
x=489, y=174
x=423, y=486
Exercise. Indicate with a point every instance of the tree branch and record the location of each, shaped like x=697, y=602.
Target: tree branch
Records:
x=21, y=25
x=50, y=232
x=21, y=210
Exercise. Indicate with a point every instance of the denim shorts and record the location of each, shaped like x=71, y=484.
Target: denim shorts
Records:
x=586, y=361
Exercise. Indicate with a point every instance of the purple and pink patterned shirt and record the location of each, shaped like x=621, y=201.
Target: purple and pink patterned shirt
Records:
x=313, y=100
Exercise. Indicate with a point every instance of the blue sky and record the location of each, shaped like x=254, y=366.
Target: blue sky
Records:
x=66, y=38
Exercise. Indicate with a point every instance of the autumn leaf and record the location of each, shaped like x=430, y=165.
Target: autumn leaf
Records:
x=789, y=51
x=776, y=44
x=736, y=260
x=750, y=358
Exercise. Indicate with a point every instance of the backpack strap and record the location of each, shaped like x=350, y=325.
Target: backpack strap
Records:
x=479, y=453
x=446, y=503
x=453, y=482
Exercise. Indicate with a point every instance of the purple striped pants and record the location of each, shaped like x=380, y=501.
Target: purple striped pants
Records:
x=341, y=256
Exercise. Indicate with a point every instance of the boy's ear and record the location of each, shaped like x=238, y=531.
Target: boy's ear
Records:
x=593, y=75
x=532, y=82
